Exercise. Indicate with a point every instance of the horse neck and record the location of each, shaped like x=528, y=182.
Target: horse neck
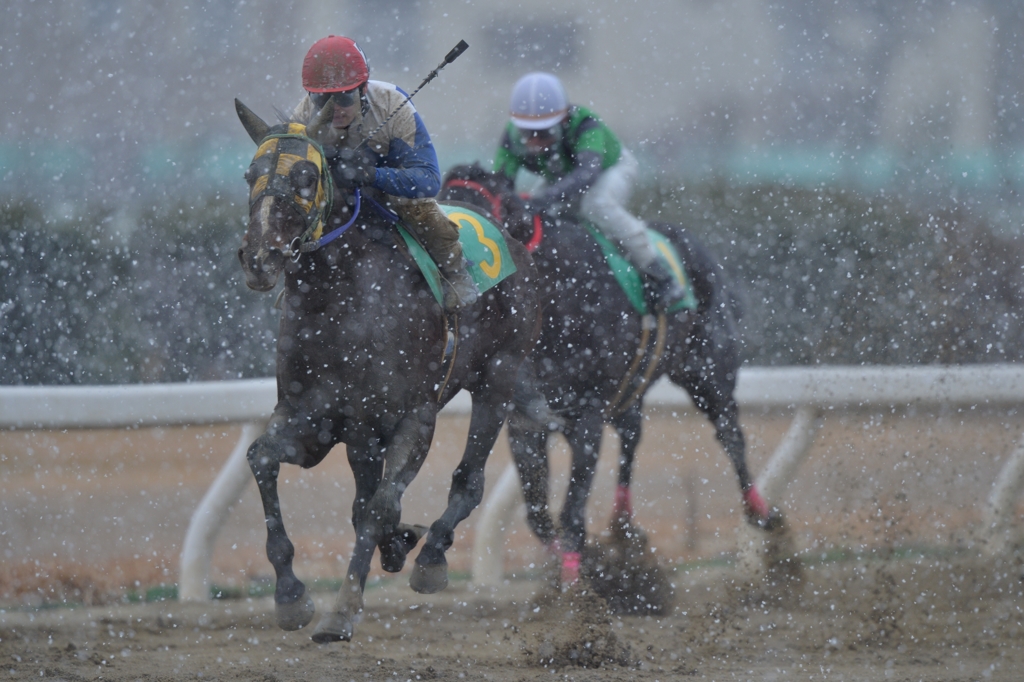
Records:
x=480, y=190
x=336, y=271
x=564, y=240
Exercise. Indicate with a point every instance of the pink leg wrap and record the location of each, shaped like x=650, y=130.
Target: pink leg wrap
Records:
x=755, y=503
x=570, y=568
x=623, y=502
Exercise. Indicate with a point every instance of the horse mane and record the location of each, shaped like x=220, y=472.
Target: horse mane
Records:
x=477, y=173
x=517, y=222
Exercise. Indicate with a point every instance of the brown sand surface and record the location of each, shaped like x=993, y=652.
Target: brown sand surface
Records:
x=883, y=513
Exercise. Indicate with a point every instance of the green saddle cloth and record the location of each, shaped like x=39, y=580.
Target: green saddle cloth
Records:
x=483, y=245
x=629, y=278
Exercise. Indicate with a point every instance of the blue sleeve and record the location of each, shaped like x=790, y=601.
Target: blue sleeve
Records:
x=411, y=172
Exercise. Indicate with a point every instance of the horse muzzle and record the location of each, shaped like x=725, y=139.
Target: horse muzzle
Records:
x=261, y=268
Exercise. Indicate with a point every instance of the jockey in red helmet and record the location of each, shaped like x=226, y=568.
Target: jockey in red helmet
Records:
x=399, y=162
x=586, y=171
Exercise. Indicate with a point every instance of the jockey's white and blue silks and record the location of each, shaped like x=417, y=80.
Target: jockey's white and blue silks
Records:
x=406, y=160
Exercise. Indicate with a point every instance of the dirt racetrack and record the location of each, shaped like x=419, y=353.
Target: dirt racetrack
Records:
x=882, y=515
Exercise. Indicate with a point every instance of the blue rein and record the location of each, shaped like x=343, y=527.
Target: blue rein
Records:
x=387, y=214
x=334, y=234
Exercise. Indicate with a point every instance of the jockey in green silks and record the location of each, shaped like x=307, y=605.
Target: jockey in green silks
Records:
x=586, y=172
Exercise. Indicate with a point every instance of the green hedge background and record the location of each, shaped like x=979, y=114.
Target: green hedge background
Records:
x=826, y=276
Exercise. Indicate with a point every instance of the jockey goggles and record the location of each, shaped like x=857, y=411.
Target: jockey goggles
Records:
x=540, y=139
x=341, y=99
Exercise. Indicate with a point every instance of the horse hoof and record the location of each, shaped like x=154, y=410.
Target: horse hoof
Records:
x=394, y=551
x=429, y=579
x=333, y=627
x=392, y=561
x=295, y=615
x=773, y=522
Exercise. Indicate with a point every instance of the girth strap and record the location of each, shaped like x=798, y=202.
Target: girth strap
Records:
x=619, y=403
x=453, y=329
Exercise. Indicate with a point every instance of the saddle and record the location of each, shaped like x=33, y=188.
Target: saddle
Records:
x=483, y=245
x=629, y=277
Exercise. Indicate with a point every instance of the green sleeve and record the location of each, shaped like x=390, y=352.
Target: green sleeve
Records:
x=600, y=140
x=506, y=162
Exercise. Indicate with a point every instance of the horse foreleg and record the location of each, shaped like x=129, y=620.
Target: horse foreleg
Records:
x=379, y=519
x=367, y=466
x=293, y=606
x=431, y=571
x=585, y=441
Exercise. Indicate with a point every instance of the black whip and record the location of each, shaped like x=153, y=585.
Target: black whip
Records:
x=448, y=59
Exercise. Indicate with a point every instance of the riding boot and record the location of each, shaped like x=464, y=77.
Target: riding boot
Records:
x=460, y=290
x=665, y=291
x=440, y=237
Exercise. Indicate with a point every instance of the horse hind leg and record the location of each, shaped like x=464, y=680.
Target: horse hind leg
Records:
x=293, y=606
x=529, y=425
x=530, y=454
x=628, y=425
x=711, y=382
x=396, y=547
x=727, y=430
x=585, y=443
x=430, y=574
x=367, y=466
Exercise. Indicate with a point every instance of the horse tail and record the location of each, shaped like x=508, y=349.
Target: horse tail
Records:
x=711, y=283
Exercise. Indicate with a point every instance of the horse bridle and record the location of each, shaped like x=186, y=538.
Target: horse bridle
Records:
x=314, y=211
x=496, y=209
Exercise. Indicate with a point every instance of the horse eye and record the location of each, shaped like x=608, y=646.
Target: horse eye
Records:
x=304, y=176
x=251, y=173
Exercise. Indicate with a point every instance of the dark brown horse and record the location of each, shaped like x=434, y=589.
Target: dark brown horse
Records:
x=597, y=356
x=365, y=357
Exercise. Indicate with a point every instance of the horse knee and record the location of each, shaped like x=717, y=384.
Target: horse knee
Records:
x=263, y=459
x=468, y=489
x=270, y=450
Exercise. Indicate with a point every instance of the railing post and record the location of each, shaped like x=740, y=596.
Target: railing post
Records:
x=210, y=515
x=496, y=514
x=1002, y=501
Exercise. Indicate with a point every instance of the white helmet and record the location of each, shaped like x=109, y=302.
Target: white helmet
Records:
x=538, y=101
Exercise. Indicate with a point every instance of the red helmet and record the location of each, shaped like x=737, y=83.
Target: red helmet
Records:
x=333, y=64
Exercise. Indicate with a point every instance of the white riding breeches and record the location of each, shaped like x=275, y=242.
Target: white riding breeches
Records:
x=604, y=204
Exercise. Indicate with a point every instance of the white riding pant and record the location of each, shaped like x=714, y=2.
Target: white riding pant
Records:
x=604, y=204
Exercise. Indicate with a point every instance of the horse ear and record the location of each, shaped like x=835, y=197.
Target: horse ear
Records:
x=318, y=126
x=254, y=125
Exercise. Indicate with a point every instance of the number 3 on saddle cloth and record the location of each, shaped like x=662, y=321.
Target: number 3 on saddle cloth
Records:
x=483, y=245
x=629, y=278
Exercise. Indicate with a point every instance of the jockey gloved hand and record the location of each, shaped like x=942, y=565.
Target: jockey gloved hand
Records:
x=351, y=168
x=540, y=203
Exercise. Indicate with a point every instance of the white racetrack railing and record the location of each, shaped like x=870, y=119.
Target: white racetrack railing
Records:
x=808, y=391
